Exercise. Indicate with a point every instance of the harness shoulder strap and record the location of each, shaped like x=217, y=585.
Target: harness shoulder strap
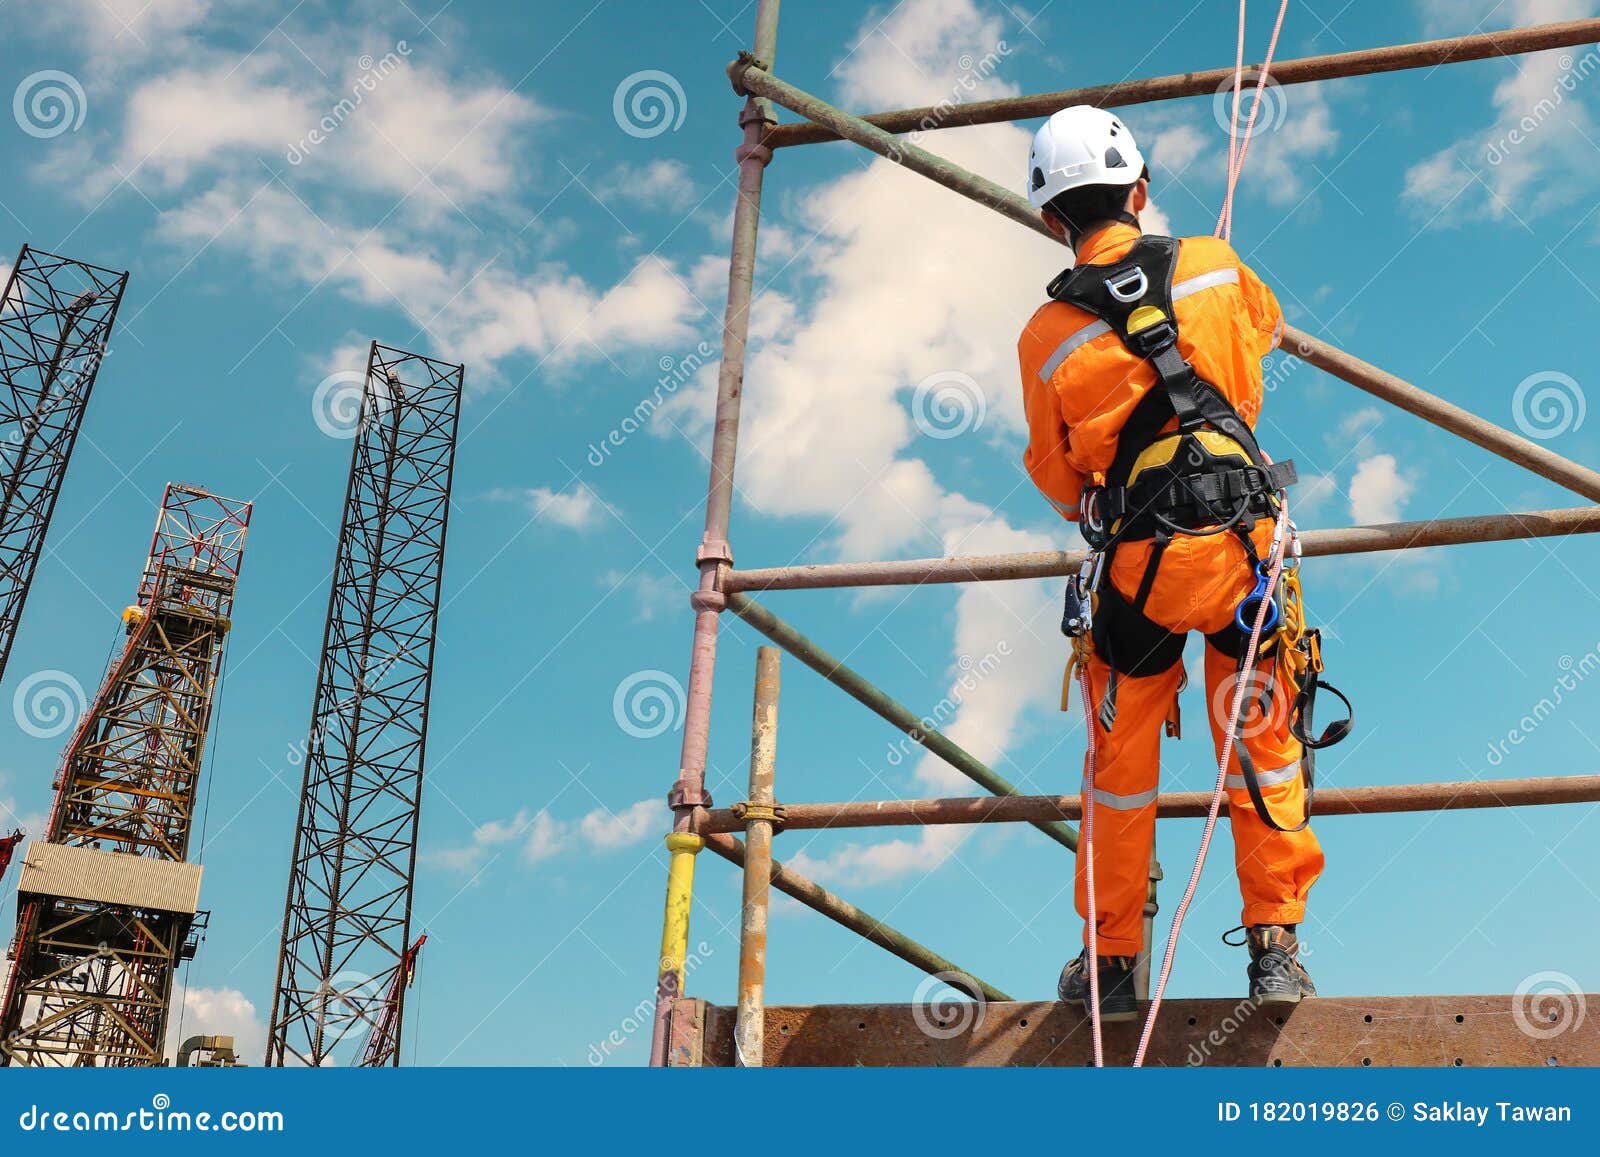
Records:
x=1134, y=298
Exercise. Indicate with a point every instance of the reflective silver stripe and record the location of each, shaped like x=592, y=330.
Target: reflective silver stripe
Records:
x=1070, y=513
x=1094, y=329
x=1125, y=803
x=1210, y=280
x=1267, y=778
x=1277, y=332
x=1063, y=351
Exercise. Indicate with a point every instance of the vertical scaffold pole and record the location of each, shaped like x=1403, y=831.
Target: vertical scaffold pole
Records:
x=760, y=814
x=714, y=554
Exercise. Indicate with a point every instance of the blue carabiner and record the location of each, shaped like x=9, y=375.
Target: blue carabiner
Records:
x=1244, y=615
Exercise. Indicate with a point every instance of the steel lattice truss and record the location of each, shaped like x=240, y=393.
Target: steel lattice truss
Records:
x=55, y=320
x=92, y=979
x=347, y=923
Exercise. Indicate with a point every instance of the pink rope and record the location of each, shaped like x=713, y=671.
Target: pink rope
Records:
x=1246, y=671
x=1238, y=149
x=1086, y=849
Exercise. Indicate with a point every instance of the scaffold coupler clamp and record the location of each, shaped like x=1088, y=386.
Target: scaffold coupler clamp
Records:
x=682, y=795
x=740, y=65
x=744, y=811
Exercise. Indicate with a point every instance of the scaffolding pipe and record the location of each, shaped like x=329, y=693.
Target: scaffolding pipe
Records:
x=715, y=555
x=877, y=701
x=749, y=1032
x=819, y=899
x=1446, y=415
x=1334, y=66
x=1055, y=563
x=1378, y=799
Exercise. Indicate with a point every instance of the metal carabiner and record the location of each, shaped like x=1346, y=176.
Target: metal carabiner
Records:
x=1244, y=615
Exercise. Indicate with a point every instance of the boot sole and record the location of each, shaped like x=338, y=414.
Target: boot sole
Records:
x=1108, y=1017
x=1279, y=998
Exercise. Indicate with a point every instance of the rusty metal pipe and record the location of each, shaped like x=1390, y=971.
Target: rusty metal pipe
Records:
x=1361, y=62
x=1445, y=415
x=1055, y=563
x=842, y=912
x=747, y=76
x=881, y=704
x=714, y=556
x=1377, y=799
x=749, y=1034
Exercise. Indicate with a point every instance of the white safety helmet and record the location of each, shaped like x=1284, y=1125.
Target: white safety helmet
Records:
x=1080, y=146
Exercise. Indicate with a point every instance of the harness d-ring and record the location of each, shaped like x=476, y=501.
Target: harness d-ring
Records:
x=1245, y=614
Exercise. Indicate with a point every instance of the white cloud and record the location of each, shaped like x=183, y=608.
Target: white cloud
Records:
x=662, y=185
x=420, y=131
x=478, y=314
x=575, y=509
x=652, y=594
x=119, y=32
x=1532, y=155
x=543, y=836
x=188, y=118
x=1378, y=492
x=218, y=1012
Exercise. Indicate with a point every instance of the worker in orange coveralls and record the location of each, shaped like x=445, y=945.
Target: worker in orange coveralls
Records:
x=1142, y=384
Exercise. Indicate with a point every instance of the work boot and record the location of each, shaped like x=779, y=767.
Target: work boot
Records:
x=1276, y=974
x=1116, y=986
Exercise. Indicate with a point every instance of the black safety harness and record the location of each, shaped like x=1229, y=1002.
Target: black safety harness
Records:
x=1186, y=463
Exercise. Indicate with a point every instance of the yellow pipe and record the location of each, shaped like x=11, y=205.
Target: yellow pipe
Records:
x=683, y=846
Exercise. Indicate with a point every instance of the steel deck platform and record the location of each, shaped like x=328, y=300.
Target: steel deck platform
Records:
x=1331, y=1031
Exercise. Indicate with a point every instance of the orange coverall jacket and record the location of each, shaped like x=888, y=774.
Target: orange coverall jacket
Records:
x=1080, y=385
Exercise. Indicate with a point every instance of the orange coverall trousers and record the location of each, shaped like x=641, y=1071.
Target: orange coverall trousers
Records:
x=1198, y=585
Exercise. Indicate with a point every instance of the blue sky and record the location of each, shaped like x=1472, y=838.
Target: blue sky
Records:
x=495, y=199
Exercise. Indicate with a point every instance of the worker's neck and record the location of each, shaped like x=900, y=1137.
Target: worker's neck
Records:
x=1086, y=239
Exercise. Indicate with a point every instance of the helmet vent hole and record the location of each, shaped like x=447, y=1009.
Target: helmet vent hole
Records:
x=1114, y=159
x=1038, y=178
